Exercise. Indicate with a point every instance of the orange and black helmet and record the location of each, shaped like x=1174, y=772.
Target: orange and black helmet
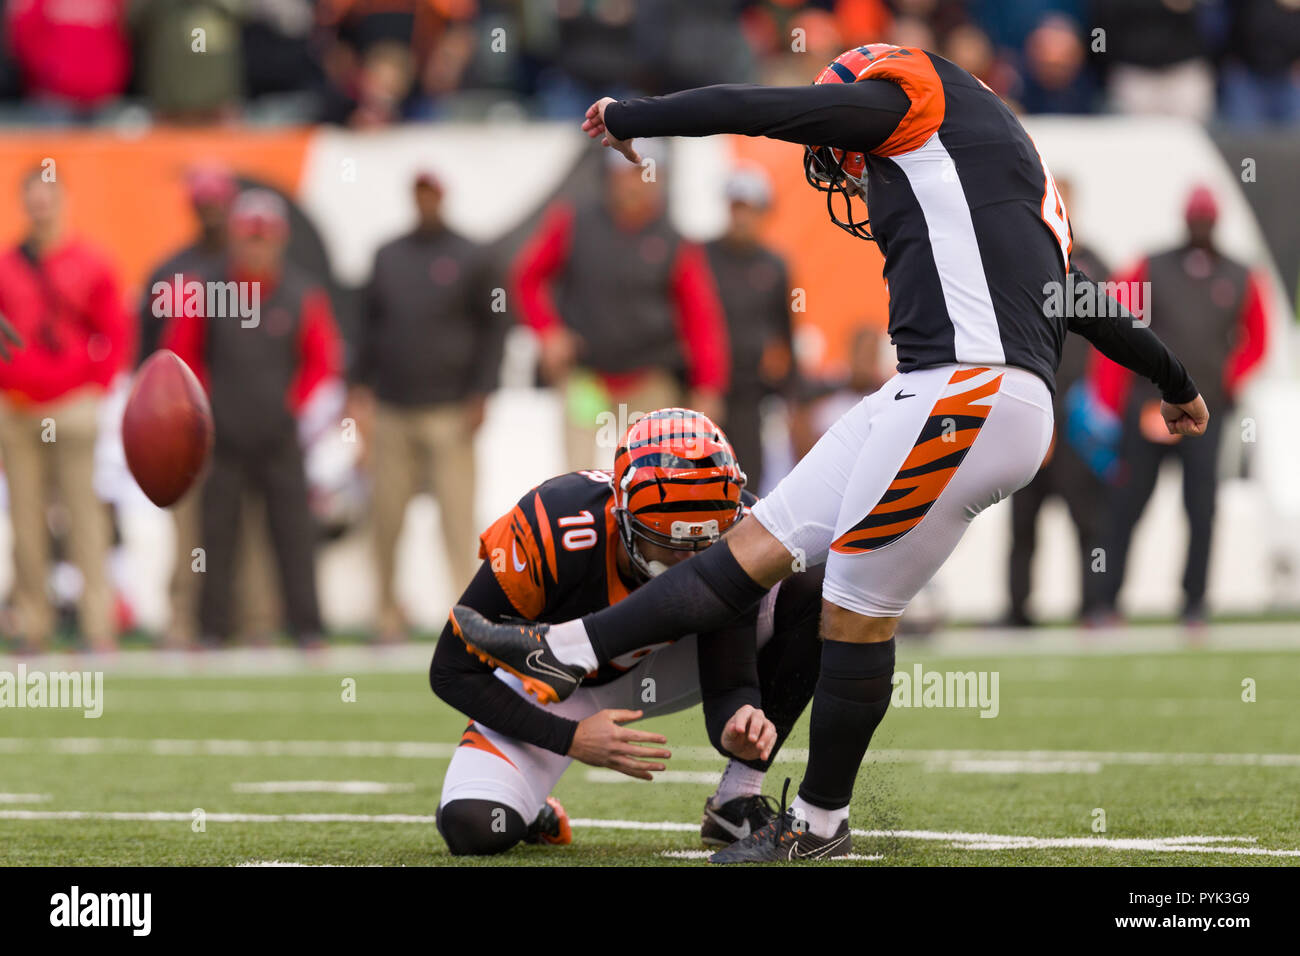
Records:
x=834, y=171
x=676, y=483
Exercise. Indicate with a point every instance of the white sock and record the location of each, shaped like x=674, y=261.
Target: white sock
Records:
x=738, y=781
x=568, y=642
x=822, y=823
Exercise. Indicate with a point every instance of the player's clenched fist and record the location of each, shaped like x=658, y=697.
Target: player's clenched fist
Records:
x=749, y=735
x=602, y=741
x=1189, y=418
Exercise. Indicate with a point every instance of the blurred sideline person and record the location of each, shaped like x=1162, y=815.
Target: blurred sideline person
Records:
x=821, y=403
x=62, y=297
x=259, y=373
x=211, y=188
x=1211, y=309
x=583, y=541
x=626, y=310
x=754, y=289
x=1064, y=473
x=428, y=356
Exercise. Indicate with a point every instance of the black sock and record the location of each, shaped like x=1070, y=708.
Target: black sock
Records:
x=851, y=699
x=695, y=596
x=789, y=663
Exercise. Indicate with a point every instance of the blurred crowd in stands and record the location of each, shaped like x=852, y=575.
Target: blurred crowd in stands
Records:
x=370, y=63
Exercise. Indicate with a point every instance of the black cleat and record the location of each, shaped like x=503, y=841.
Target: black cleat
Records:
x=520, y=649
x=786, y=839
x=725, y=823
x=551, y=825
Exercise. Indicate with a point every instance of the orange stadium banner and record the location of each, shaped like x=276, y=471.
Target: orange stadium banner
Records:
x=127, y=194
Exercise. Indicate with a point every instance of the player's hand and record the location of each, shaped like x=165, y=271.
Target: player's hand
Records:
x=749, y=735
x=559, y=351
x=1189, y=418
x=602, y=741
x=475, y=412
x=360, y=407
x=594, y=125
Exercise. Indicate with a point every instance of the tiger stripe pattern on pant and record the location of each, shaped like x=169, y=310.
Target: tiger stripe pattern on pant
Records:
x=945, y=439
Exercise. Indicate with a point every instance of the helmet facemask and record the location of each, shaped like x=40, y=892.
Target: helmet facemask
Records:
x=687, y=536
x=677, y=487
x=824, y=169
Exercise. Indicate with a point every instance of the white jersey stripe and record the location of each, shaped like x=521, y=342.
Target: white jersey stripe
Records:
x=933, y=177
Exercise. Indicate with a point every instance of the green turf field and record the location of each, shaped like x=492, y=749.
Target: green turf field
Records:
x=1160, y=741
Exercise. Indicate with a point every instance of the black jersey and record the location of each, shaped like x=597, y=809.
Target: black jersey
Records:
x=973, y=230
x=970, y=222
x=555, y=556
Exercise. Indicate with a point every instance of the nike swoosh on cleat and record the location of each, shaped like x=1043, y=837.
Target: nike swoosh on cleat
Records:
x=815, y=852
x=739, y=832
x=535, y=663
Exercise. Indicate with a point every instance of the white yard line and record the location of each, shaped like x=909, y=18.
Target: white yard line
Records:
x=704, y=777
x=165, y=747
x=426, y=750
x=1018, y=766
x=322, y=786
x=346, y=659
x=355, y=659
x=287, y=863
x=957, y=839
x=705, y=854
x=168, y=816
x=24, y=797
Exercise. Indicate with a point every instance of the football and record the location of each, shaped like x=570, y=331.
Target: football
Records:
x=166, y=428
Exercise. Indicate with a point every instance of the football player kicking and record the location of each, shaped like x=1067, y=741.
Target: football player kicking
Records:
x=584, y=541
x=976, y=241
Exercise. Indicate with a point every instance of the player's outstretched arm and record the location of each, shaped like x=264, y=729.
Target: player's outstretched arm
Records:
x=1123, y=339
x=854, y=116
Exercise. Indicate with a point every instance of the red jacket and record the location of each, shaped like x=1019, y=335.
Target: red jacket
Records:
x=74, y=51
x=73, y=323
x=319, y=345
x=701, y=322
x=1111, y=381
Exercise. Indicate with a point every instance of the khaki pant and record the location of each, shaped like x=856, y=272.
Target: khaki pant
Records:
x=51, y=447
x=413, y=446
x=590, y=440
x=1185, y=89
x=257, y=604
